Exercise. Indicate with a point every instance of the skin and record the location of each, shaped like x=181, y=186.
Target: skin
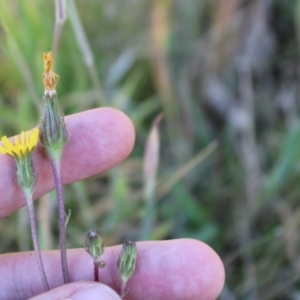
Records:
x=176, y=269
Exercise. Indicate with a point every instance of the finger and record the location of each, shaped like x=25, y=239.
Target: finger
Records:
x=98, y=140
x=80, y=291
x=178, y=269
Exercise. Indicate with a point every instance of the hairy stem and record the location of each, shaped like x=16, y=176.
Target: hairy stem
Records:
x=55, y=161
x=32, y=220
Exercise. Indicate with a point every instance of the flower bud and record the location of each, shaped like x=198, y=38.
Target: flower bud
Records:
x=126, y=263
x=94, y=244
x=52, y=126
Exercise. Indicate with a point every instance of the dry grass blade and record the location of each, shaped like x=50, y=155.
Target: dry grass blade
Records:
x=151, y=164
x=25, y=71
x=151, y=160
x=166, y=186
x=85, y=49
x=60, y=17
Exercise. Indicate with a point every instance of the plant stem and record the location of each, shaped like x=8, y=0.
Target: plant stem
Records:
x=96, y=271
x=123, y=293
x=85, y=48
x=60, y=17
x=55, y=161
x=32, y=220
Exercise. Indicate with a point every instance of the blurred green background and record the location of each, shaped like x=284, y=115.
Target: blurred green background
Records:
x=225, y=75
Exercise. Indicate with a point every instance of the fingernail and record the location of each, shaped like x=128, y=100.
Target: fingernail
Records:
x=95, y=292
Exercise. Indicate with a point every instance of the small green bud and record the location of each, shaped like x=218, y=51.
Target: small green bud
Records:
x=94, y=245
x=126, y=263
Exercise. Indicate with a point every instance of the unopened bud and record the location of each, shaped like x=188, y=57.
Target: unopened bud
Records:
x=94, y=245
x=126, y=263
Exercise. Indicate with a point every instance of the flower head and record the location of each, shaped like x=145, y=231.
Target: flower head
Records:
x=21, y=150
x=22, y=146
x=50, y=79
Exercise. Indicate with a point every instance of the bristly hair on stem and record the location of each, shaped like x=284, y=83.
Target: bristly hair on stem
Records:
x=54, y=137
x=32, y=221
x=55, y=162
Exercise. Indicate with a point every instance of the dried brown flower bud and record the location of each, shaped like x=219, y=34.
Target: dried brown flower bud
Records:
x=50, y=79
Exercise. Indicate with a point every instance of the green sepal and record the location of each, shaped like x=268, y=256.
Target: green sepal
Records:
x=53, y=133
x=25, y=172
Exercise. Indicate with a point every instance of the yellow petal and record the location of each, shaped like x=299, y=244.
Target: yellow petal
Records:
x=34, y=138
x=17, y=148
x=8, y=145
x=23, y=145
x=3, y=150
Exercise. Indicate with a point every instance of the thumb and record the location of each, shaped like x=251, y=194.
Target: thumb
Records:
x=80, y=290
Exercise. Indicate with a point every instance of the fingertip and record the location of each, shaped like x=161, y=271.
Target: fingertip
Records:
x=95, y=291
x=80, y=291
x=99, y=139
x=211, y=272
x=164, y=270
x=177, y=268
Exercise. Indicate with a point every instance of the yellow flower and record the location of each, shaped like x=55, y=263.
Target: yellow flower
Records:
x=22, y=146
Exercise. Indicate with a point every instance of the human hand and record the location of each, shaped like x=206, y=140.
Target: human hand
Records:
x=177, y=269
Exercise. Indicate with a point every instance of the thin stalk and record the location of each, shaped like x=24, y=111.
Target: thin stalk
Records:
x=149, y=216
x=85, y=48
x=32, y=219
x=123, y=290
x=96, y=271
x=60, y=17
x=55, y=162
